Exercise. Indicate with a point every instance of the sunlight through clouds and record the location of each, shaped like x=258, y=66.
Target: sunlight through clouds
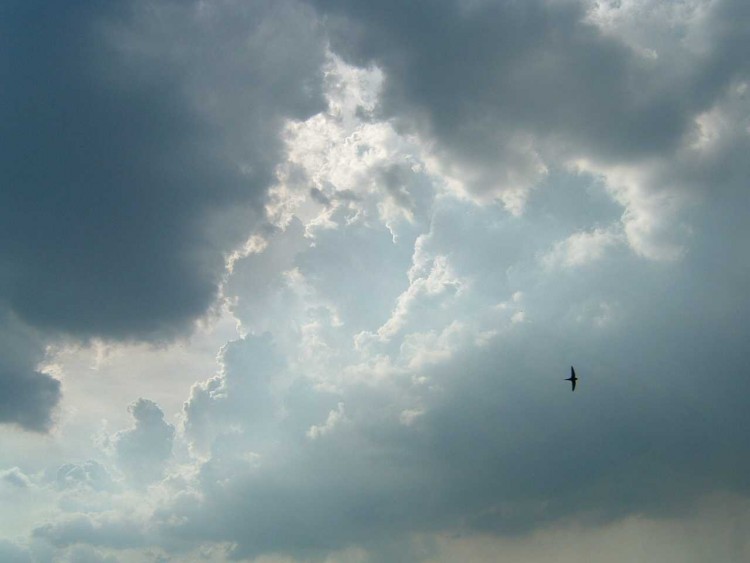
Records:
x=302, y=280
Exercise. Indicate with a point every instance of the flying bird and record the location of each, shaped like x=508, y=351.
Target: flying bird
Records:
x=572, y=378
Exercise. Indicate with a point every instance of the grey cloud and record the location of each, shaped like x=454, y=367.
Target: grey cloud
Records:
x=501, y=447
x=12, y=553
x=714, y=530
x=341, y=264
x=320, y=197
x=239, y=399
x=15, y=477
x=119, y=159
x=104, y=530
x=138, y=145
x=91, y=474
x=44, y=552
x=86, y=554
x=498, y=445
x=347, y=195
x=265, y=272
x=484, y=80
x=493, y=442
x=143, y=450
x=27, y=396
x=395, y=179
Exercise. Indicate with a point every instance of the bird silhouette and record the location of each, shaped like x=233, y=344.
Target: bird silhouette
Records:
x=572, y=378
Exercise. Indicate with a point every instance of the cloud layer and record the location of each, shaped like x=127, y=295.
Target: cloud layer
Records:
x=137, y=155
x=418, y=216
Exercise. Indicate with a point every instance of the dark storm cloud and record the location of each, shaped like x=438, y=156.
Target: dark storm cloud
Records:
x=102, y=184
x=27, y=396
x=139, y=140
x=112, y=172
x=484, y=79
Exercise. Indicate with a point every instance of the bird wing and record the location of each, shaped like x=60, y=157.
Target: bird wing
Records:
x=574, y=385
x=572, y=373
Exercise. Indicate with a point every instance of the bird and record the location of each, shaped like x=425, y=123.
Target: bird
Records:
x=572, y=378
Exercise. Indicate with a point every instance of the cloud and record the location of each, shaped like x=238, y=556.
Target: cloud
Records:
x=13, y=553
x=140, y=143
x=496, y=192
x=335, y=417
x=714, y=529
x=503, y=91
x=128, y=152
x=86, y=554
x=580, y=248
x=105, y=529
x=426, y=280
x=35, y=395
x=237, y=414
x=143, y=451
x=90, y=474
x=16, y=478
x=457, y=426
x=27, y=395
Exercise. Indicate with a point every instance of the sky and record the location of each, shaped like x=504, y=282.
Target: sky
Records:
x=301, y=281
